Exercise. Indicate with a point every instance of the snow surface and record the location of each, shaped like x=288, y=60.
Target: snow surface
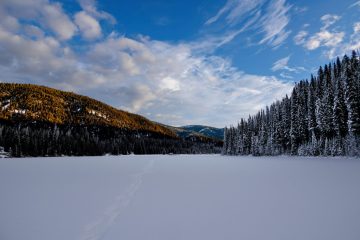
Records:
x=180, y=197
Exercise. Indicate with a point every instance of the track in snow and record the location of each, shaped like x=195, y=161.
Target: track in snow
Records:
x=97, y=229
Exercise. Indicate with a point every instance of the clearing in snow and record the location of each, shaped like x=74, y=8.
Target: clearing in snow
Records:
x=180, y=197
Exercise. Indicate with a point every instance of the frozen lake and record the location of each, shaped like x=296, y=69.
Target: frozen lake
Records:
x=180, y=197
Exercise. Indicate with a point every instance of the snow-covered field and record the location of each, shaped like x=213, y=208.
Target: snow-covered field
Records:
x=202, y=197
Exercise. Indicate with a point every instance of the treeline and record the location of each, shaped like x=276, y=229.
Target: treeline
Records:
x=23, y=139
x=321, y=117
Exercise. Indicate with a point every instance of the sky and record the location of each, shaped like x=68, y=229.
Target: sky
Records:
x=207, y=62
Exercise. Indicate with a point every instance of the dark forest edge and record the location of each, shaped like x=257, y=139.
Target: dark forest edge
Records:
x=40, y=121
x=320, y=118
x=44, y=139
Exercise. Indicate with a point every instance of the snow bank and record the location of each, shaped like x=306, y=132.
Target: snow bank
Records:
x=3, y=154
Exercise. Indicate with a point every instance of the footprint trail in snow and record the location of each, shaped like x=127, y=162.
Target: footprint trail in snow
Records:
x=98, y=229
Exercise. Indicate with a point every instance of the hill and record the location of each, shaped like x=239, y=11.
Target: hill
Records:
x=41, y=121
x=26, y=102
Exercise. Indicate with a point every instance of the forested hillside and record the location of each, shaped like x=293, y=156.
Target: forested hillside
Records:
x=40, y=121
x=27, y=102
x=321, y=117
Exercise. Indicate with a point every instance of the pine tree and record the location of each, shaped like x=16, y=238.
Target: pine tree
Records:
x=286, y=124
x=226, y=141
x=312, y=126
x=340, y=114
x=353, y=94
x=294, y=128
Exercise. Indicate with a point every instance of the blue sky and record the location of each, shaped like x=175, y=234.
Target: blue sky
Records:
x=176, y=62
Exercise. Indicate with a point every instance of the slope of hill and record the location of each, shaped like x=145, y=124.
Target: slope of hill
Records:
x=41, y=121
x=216, y=133
x=26, y=102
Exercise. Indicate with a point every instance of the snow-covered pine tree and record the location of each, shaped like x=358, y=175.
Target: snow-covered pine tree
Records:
x=325, y=107
x=225, y=141
x=286, y=124
x=312, y=126
x=294, y=128
x=302, y=112
x=353, y=94
x=352, y=103
x=340, y=114
x=262, y=136
x=231, y=141
x=276, y=137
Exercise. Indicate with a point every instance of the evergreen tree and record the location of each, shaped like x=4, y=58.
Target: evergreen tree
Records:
x=326, y=105
x=321, y=117
x=294, y=128
x=340, y=114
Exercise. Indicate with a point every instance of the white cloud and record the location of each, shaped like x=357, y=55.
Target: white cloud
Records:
x=210, y=43
x=355, y=4
x=235, y=10
x=169, y=83
x=328, y=20
x=286, y=75
x=269, y=18
x=324, y=38
x=281, y=63
x=356, y=27
x=90, y=7
x=333, y=42
x=300, y=10
x=141, y=75
x=49, y=15
x=299, y=38
x=58, y=21
x=10, y=23
x=89, y=26
x=353, y=43
x=274, y=23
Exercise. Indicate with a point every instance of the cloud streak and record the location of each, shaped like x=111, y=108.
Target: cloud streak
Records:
x=355, y=4
x=269, y=19
x=235, y=10
x=274, y=23
x=283, y=66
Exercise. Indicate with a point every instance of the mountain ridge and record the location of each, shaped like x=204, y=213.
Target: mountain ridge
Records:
x=213, y=132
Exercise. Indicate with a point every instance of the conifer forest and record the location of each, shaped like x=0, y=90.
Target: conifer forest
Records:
x=321, y=117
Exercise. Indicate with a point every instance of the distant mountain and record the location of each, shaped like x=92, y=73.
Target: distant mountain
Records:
x=189, y=134
x=37, y=120
x=212, y=132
